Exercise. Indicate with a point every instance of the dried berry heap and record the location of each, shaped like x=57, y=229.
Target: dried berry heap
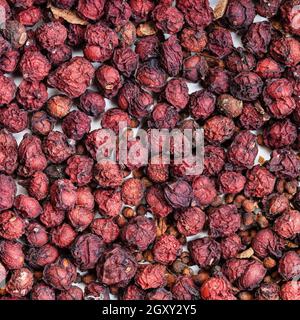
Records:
x=79, y=221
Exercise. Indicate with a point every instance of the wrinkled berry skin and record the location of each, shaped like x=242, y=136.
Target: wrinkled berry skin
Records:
x=214, y=160
x=176, y=93
x=290, y=16
x=268, y=291
x=218, y=129
x=60, y=275
x=184, y=289
x=63, y=194
x=151, y=276
x=8, y=152
x=168, y=19
x=190, y=221
x=284, y=163
x=74, y=293
x=220, y=42
x=266, y=243
x=11, y=254
x=32, y=95
x=267, y=9
x=117, y=267
x=57, y=148
x=96, y=291
x=231, y=182
x=178, y=194
x=240, y=60
x=12, y=227
x=286, y=51
x=247, y=274
x=13, y=118
x=31, y=156
x=239, y=14
x=202, y=104
x=204, y=190
x=268, y=68
x=92, y=103
x=171, y=56
x=108, y=174
x=38, y=185
x=20, y=283
x=140, y=232
x=151, y=77
x=230, y=246
x=125, y=60
x=205, y=252
x=159, y=294
x=51, y=35
x=288, y=225
x=132, y=292
x=166, y=249
x=36, y=235
x=76, y=124
x=42, y=256
x=132, y=192
x=194, y=68
x=260, y=182
x=42, y=123
x=217, y=288
x=8, y=191
x=157, y=202
x=79, y=169
x=86, y=251
x=27, y=206
x=257, y=38
x=224, y=221
x=109, y=80
x=289, y=265
x=34, y=66
x=101, y=41
x=198, y=14
x=280, y=134
x=106, y=229
x=41, y=291
x=72, y=77
x=51, y=217
x=246, y=86
x=7, y=89
x=290, y=290
x=63, y=235
x=243, y=150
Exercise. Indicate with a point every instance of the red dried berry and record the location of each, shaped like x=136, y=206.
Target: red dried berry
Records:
x=166, y=249
x=205, y=252
x=224, y=221
x=51, y=35
x=60, y=275
x=139, y=233
x=266, y=243
x=117, y=268
x=8, y=191
x=72, y=77
x=86, y=251
x=27, y=206
x=106, y=229
x=34, y=66
x=151, y=276
x=190, y=221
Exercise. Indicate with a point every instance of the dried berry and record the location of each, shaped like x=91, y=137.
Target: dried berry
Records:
x=166, y=249
x=121, y=262
x=140, y=232
x=60, y=274
x=72, y=77
x=205, y=252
